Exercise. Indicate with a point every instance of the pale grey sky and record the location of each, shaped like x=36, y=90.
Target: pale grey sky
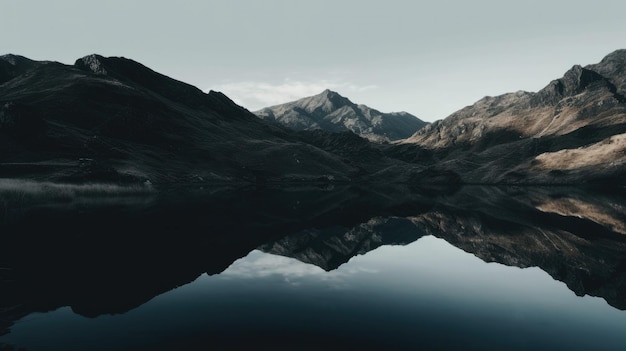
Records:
x=429, y=58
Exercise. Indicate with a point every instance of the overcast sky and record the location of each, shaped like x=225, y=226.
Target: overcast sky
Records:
x=429, y=58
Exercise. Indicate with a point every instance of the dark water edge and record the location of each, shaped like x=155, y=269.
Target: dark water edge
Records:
x=106, y=250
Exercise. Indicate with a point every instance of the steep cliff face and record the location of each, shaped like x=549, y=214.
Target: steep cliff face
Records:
x=332, y=112
x=613, y=67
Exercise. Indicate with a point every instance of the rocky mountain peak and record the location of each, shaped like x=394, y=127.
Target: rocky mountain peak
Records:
x=573, y=82
x=332, y=95
x=332, y=112
x=586, y=76
x=576, y=80
x=613, y=68
x=326, y=101
x=12, y=59
x=616, y=57
x=91, y=63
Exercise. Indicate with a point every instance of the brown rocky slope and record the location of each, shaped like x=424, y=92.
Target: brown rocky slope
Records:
x=571, y=131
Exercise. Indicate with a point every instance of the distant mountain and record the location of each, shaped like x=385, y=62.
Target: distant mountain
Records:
x=332, y=112
x=573, y=130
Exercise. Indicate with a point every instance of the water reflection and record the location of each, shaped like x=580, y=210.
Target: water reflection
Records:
x=426, y=295
x=380, y=270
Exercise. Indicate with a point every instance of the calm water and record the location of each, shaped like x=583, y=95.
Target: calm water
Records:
x=317, y=269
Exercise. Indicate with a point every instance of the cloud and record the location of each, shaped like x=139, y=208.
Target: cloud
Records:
x=257, y=95
x=258, y=264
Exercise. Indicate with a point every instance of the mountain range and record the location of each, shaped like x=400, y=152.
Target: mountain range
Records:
x=571, y=130
x=332, y=112
x=115, y=120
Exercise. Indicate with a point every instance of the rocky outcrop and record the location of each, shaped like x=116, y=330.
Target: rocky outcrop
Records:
x=574, y=82
x=613, y=67
x=92, y=63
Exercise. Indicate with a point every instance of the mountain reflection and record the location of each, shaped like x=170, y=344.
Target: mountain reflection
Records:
x=523, y=227
x=108, y=250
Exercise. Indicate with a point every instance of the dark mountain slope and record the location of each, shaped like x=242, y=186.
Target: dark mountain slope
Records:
x=332, y=112
x=127, y=122
x=12, y=66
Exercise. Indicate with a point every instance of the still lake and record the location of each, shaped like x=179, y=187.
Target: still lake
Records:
x=308, y=269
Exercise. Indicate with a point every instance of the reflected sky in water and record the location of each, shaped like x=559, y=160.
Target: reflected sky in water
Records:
x=427, y=295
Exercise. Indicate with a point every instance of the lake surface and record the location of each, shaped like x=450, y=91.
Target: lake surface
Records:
x=308, y=268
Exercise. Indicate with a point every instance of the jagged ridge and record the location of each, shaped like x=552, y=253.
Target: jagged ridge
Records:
x=505, y=138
